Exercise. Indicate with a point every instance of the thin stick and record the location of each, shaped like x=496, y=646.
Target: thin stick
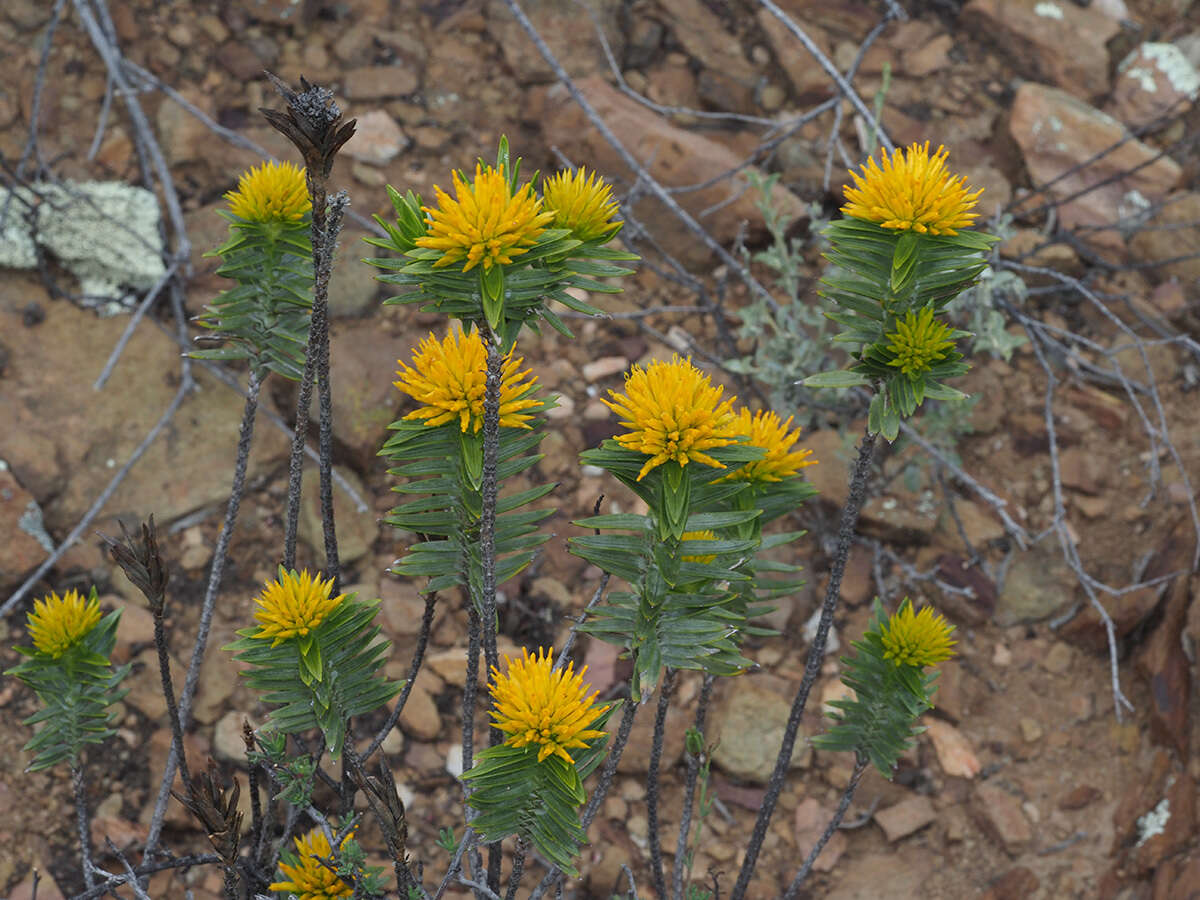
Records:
x=518, y=869
x=413, y=668
x=323, y=260
x=489, y=491
x=860, y=766
x=656, y=749
x=689, y=791
x=816, y=655
x=192, y=681
x=79, y=785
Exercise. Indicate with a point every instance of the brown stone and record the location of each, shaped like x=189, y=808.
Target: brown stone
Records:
x=999, y=813
x=1057, y=131
x=1154, y=81
x=1079, y=797
x=809, y=80
x=379, y=82
x=1172, y=233
x=906, y=817
x=21, y=534
x=1034, y=34
x=1015, y=884
x=810, y=822
x=674, y=156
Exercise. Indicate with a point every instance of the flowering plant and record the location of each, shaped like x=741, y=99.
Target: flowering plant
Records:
x=901, y=254
x=68, y=668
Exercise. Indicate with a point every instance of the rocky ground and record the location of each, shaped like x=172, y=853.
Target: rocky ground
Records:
x=1026, y=783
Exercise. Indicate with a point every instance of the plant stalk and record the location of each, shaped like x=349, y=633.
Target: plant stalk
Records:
x=689, y=791
x=860, y=766
x=816, y=654
x=656, y=749
x=245, y=438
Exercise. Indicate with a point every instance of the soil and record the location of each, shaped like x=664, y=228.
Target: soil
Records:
x=1029, y=783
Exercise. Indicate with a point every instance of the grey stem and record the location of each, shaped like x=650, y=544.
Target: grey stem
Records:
x=206, y=610
x=656, y=749
x=79, y=784
x=689, y=792
x=816, y=654
x=860, y=766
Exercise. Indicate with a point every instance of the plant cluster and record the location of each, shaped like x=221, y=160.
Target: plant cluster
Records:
x=692, y=572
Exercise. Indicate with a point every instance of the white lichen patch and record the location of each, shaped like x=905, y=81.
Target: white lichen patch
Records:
x=1149, y=60
x=1048, y=11
x=105, y=233
x=1154, y=822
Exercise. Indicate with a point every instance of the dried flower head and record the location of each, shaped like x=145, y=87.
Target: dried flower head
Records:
x=918, y=342
x=765, y=431
x=293, y=606
x=308, y=877
x=913, y=191
x=535, y=704
x=673, y=413
x=59, y=623
x=917, y=639
x=449, y=378
x=581, y=202
x=484, y=223
x=271, y=192
x=705, y=535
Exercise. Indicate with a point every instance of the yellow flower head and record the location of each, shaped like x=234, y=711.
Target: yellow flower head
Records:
x=918, y=342
x=485, y=222
x=917, y=639
x=705, y=535
x=534, y=704
x=766, y=431
x=59, y=623
x=449, y=378
x=293, y=606
x=912, y=191
x=272, y=192
x=673, y=413
x=582, y=203
x=309, y=878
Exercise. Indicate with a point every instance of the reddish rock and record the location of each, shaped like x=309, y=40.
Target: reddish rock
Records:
x=1056, y=132
x=1155, y=81
x=954, y=752
x=999, y=813
x=1034, y=33
x=810, y=82
x=377, y=139
x=906, y=817
x=20, y=525
x=1015, y=884
x=674, y=156
x=379, y=82
x=1163, y=663
x=569, y=32
x=1126, y=610
x=1079, y=797
x=1172, y=233
x=811, y=820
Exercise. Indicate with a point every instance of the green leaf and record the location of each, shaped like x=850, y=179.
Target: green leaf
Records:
x=840, y=379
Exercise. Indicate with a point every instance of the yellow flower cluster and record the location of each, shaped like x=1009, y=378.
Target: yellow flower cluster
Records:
x=535, y=704
x=918, y=342
x=59, y=623
x=309, y=878
x=912, y=191
x=581, y=202
x=485, y=223
x=673, y=413
x=764, y=430
x=917, y=639
x=272, y=192
x=293, y=606
x=449, y=378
